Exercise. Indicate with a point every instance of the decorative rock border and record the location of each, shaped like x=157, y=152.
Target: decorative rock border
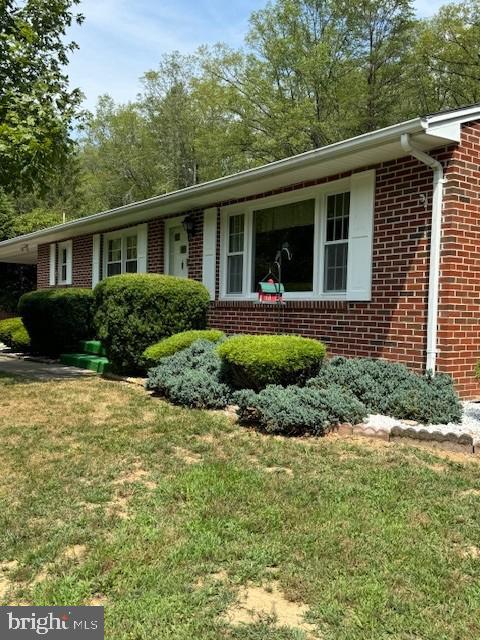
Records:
x=463, y=442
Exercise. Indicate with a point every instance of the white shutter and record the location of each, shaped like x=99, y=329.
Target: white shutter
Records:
x=96, y=259
x=142, y=240
x=69, y=246
x=209, y=250
x=360, y=242
x=53, y=265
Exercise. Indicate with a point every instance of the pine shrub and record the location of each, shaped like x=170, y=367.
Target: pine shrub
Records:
x=192, y=377
x=296, y=410
x=392, y=389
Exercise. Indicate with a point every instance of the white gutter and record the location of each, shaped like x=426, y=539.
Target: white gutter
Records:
x=435, y=238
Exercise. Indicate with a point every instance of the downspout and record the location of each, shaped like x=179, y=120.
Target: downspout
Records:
x=435, y=239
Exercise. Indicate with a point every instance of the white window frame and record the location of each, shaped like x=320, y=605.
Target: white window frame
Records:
x=123, y=234
x=319, y=194
x=67, y=247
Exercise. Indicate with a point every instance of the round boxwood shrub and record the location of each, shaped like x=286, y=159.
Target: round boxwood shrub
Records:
x=134, y=311
x=253, y=362
x=14, y=335
x=57, y=319
x=168, y=346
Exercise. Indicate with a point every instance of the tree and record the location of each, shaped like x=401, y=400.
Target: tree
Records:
x=382, y=32
x=36, y=105
x=446, y=57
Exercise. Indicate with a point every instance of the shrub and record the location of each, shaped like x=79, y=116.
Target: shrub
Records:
x=192, y=377
x=14, y=335
x=134, y=311
x=167, y=347
x=57, y=319
x=253, y=362
x=391, y=388
x=295, y=410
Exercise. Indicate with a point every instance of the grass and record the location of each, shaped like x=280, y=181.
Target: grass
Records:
x=163, y=515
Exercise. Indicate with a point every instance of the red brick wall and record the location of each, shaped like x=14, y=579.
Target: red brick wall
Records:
x=459, y=309
x=43, y=266
x=393, y=324
x=82, y=255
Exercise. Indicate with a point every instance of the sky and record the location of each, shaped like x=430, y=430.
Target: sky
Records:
x=121, y=39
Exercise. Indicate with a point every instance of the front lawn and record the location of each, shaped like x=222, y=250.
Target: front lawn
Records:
x=184, y=525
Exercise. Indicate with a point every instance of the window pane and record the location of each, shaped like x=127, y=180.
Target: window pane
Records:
x=131, y=266
x=115, y=250
x=236, y=233
x=235, y=274
x=338, y=212
x=114, y=269
x=290, y=226
x=64, y=273
x=336, y=267
x=131, y=244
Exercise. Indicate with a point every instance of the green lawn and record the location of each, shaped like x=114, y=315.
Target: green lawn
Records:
x=168, y=517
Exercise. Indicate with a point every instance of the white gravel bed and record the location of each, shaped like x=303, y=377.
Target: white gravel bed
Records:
x=470, y=423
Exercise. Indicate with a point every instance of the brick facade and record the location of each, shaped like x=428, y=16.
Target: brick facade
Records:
x=459, y=308
x=393, y=324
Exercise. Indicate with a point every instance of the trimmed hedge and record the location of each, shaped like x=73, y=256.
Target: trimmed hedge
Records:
x=392, y=389
x=168, y=346
x=191, y=378
x=57, y=319
x=134, y=311
x=253, y=362
x=298, y=410
x=14, y=335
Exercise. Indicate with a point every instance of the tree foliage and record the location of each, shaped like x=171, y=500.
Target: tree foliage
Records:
x=36, y=105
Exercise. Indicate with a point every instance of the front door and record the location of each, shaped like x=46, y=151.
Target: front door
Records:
x=178, y=252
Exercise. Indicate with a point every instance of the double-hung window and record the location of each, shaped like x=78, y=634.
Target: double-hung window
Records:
x=336, y=242
x=235, y=253
x=65, y=262
x=121, y=253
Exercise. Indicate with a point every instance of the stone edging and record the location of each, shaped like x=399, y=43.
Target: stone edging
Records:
x=463, y=442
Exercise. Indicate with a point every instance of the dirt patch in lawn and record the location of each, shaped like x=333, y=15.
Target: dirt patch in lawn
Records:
x=189, y=457
x=256, y=604
x=76, y=552
x=136, y=475
x=98, y=600
x=279, y=470
x=470, y=492
x=6, y=568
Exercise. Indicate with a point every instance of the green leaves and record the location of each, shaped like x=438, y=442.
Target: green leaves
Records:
x=37, y=107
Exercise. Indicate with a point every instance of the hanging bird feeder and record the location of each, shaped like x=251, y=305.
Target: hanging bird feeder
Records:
x=270, y=291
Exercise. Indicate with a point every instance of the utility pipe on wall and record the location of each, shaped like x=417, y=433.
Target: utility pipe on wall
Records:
x=435, y=239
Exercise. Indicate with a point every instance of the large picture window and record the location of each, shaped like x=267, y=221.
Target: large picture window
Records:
x=290, y=227
x=324, y=234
